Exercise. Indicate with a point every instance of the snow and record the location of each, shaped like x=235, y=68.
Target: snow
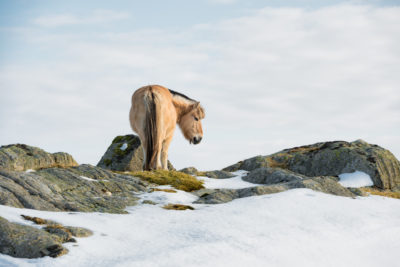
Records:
x=355, y=179
x=124, y=146
x=298, y=227
x=229, y=183
x=30, y=170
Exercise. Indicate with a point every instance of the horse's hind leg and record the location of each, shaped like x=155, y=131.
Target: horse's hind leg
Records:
x=164, y=152
x=156, y=164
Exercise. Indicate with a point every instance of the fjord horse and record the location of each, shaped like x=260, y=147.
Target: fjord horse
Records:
x=154, y=113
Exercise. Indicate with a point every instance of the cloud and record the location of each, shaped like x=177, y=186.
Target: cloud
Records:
x=276, y=78
x=97, y=16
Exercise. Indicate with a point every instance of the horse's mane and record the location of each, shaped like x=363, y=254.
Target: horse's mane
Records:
x=174, y=93
x=199, y=108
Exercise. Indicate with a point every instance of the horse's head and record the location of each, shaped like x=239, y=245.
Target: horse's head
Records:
x=190, y=123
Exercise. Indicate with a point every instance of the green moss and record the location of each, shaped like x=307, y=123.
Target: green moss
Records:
x=179, y=180
x=107, y=162
x=118, y=139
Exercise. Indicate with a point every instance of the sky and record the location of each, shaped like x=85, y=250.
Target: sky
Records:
x=270, y=74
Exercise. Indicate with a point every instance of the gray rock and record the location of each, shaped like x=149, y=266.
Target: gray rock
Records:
x=266, y=175
x=20, y=157
x=323, y=184
x=81, y=188
x=216, y=174
x=332, y=159
x=210, y=174
x=190, y=170
x=24, y=241
x=124, y=154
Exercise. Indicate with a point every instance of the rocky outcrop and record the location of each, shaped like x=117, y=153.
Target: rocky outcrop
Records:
x=24, y=241
x=217, y=174
x=81, y=188
x=266, y=175
x=332, y=159
x=323, y=184
x=20, y=157
x=124, y=154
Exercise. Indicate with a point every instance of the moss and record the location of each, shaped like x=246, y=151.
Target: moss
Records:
x=118, y=139
x=178, y=180
x=178, y=207
x=107, y=162
x=380, y=192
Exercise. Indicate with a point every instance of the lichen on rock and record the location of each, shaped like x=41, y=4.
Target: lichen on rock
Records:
x=125, y=153
x=332, y=159
x=20, y=157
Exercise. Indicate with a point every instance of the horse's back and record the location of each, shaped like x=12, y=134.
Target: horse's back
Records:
x=162, y=99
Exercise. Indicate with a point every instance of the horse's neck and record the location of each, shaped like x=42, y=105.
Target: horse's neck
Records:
x=181, y=106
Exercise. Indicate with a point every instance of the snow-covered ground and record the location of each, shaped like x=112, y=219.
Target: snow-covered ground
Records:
x=299, y=227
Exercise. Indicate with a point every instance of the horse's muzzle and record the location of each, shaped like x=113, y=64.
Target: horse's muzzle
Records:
x=196, y=140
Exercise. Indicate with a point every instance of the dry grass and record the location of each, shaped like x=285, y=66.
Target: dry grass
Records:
x=36, y=220
x=163, y=190
x=178, y=180
x=275, y=164
x=178, y=207
x=380, y=192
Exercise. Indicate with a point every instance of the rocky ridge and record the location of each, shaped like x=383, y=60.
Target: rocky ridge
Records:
x=35, y=179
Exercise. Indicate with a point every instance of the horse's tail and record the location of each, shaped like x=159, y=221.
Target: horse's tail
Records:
x=151, y=129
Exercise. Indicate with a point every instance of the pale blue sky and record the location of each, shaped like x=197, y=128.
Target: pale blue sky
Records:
x=271, y=74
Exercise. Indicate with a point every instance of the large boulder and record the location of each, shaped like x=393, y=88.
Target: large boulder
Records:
x=332, y=159
x=23, y=241
x=81, y=188
x=20, y=157
x=124, y=154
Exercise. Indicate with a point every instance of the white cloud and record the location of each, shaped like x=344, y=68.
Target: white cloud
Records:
x=277, y=78
x=97, y=16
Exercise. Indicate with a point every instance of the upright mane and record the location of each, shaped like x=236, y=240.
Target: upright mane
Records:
x=182, y=96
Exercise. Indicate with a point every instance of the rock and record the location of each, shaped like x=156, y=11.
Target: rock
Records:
x=323, y=184
x=78, y=231
x=124, y=154
x=24, y=241
x=332, y=159
x=216, y=174
x=210, y=174
x=21, y=157
x=190, y=170
x=81, y=188
x=266, y=175
x=60, y=234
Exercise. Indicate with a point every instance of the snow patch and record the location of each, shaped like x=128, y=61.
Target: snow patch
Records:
x=30, y=170
x=164, y=198
x=355, y=179
x=228, y=183
x=124, y=146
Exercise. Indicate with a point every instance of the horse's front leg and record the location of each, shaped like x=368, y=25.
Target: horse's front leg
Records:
x=164, y=152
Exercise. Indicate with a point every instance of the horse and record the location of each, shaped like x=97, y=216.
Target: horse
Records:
x=154, y=113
